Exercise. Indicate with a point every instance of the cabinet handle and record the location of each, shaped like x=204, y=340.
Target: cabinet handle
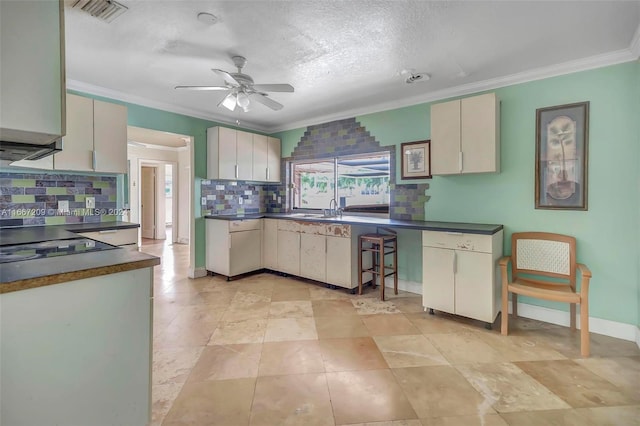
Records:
x=236, y=171
x=267, y=173
x=455, y=269
x=93, y=159
x=460, y=160
x=454, y=233
x=108, y=231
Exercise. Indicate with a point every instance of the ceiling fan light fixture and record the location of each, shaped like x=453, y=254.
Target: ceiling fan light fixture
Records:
x=229, y=101
x=207, y=18
x=243, y=99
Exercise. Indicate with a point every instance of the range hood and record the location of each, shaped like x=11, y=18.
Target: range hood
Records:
x=15, y=151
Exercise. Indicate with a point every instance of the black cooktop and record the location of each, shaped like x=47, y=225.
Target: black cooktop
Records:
x=18, y=252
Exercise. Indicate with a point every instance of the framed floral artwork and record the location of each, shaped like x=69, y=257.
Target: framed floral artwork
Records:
x=562, y=135
x=416, y=160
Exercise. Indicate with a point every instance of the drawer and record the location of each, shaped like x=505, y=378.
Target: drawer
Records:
x=343, y=231
x=116, y=237
x=245, y=225
x=288, y=225
x=314, y=228
x=457, y=241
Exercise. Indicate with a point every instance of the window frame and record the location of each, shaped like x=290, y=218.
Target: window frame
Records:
x=335, y=160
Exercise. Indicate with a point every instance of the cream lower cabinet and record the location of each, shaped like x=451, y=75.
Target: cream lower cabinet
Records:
x=460, y=273
x=234, y=247
x=313, y=256
x=338, y=261
x=289, y=247
x=270, y=244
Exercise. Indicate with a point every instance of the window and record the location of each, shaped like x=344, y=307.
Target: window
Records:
x=362, y=183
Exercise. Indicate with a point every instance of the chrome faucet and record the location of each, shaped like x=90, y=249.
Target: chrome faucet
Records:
x=334, y=203
x=334, y=210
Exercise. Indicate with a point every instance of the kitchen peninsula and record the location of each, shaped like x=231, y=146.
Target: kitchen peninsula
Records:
x=459, y=260
x=76, y=329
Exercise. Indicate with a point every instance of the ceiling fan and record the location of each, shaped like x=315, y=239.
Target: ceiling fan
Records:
x=242, y=90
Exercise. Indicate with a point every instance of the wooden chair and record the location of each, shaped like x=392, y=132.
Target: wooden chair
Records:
x=539, y=255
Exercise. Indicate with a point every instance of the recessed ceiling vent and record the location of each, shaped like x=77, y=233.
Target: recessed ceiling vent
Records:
x=106, y=10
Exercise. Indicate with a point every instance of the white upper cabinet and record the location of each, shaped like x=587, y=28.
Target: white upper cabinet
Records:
x=110, y=137
x=273, y=159
x=239, y=155
x=244, y=155
x=96, y=137
x=260, y=157
x=465, y=135
x=32, y=81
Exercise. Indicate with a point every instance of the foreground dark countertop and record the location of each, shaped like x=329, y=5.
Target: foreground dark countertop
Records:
x=469, y=228
x=34, y=273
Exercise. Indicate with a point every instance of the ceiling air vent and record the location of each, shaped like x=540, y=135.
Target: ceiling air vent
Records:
x=107, y=10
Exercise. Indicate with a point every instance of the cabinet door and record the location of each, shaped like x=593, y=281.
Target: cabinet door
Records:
x=313, y=257
x=445, y=138
x=245, y=251
x=226, y=146
x=270, y=244
x=479, y=134
x=438, y=279
x=218, y=246
x=273, y=159
x=474, y=285
x=339, y=261
x=77, y=145
x=289, y=252
x=260, y=154
x=244, y=155
x=110, y=137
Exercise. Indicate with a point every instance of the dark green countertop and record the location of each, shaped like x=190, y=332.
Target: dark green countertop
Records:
x=469, y=228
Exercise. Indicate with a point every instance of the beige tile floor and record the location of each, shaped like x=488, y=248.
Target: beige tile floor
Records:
x=270, y=350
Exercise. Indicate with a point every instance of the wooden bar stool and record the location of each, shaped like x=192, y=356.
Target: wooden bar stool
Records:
x=379, y=245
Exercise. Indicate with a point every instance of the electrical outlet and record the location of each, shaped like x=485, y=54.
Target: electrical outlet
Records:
x=279, y=200
x=63, y=206
x=240, y=200
x=203, y=201
x=90, y=202
x=274, y=196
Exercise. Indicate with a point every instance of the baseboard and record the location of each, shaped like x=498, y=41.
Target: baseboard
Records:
x=197, y=273
x=615, y=329
x=183, y=240
x=410, y=286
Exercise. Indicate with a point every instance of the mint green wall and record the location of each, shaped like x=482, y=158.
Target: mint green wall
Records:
x=607, y=234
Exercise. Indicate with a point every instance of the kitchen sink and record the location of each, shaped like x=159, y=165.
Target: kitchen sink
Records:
x=308, y=215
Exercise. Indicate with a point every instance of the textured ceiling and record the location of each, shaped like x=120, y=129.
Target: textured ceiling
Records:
x=344, y=58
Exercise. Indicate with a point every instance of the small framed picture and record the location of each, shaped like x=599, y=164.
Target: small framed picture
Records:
x=416, y=160
x=562, y=136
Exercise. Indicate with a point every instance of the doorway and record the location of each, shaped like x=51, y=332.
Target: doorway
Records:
x=148, y=202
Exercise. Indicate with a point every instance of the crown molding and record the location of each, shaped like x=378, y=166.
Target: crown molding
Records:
x=598, y=61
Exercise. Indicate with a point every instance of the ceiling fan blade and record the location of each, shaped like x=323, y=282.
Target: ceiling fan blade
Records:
x=265, y=101
x=203, y=87
x=228, y=78
x=273, y=87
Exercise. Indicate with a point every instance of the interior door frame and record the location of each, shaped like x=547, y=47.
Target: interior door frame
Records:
x=142, y=162
x=142, y=165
